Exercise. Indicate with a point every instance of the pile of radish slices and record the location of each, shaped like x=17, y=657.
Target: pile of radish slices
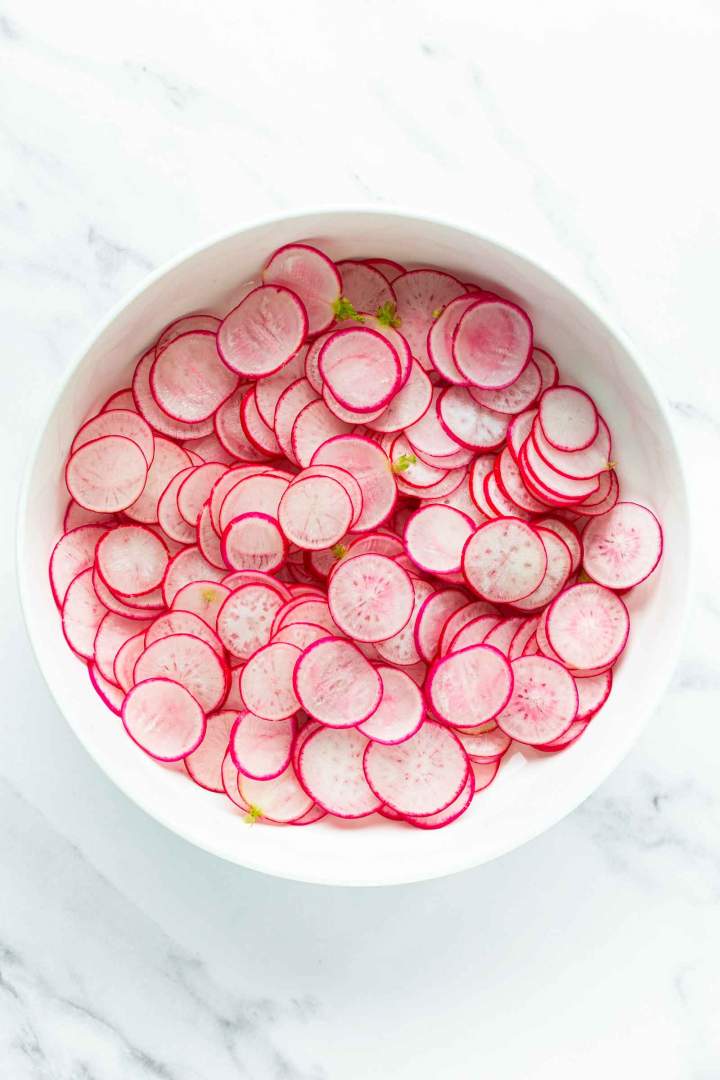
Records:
x=337, y=549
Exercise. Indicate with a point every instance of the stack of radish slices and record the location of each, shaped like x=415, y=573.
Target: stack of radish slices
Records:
x=338, y=549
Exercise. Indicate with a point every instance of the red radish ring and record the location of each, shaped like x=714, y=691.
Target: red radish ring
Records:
x=400, y=649
x=266, y=683
x=245, y=619
x=263, y=332
x=188, y=324
x=557, y=572
x=348, y=416
x=187, y=566
x=261, y=748
x=204, y=763
x=623, y=546
x=515, y=398
x=568, y=418
x=387, y=267
x=547, y=367
x=587, y=626
x=209, y=541
x=149, y=409
x=474, y=632
x=300, y=634
x=335, y=684
x=125, y=660
x=559, y=485
x=505, y=560
x=452, y=812
x=107, y=474
x=231, y=433
x=281, y=800
x=469, y=687
x=170, y=520
x=195, y=489
x=252, y=495
x=169, y=460
x=409, y=404
x=269, y=389
x=314, y=426
x=440, y=339
x=371, y=468
x=343, y=477
x=577, y=464
x=73, y=553
x=82, y=613
x=163, y=718
x=315, y=512
x=435, y=537
x=112, y=633
x=188, y=379
x=371, y=598
x=183, y=622
x=400, y=712
x=421, y=296
x=312, y=276
x=420, y=776
x=467, y=422
x=432, y=617
x=254, y=542
x=455, y=622
x=230, y=777
x=189, y=661
x=259, y=434
x=543, y=703
x=202, y=598
x=492, y=343
x=364, y=286
x=484, y=744
x=331, y=770
x=568, y=534
x=593, y=692
x=511, y=483
x=131, y=559
x=110, y=695
x=125, y=422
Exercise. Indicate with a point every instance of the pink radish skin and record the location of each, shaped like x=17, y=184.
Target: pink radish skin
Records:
x=300, y=634
x=440, y=340
x=432, y=617
x=387, y=267
x=400, y=649
x=421, y=296
x=125, y=660
x=420, y=776
x=73, y=553
x=568, y=418
x=312, y=276
x=314, y=426
x=568, y=534
x=543, y=703
x=252, y=495
x=335, y=684
x=593, y=692
x=484, y=774
x=331, y=769
x=132, y=559
x=622, y=547
x=281, y=800
x=559, y=566
x=484, y=746
x=188, y=379
x=183, y=622
x=364, y=286
x=577, y=464
x=435, y=537
x=204, y=763
x=515, y=398
x=492, y=343
x=168, y=460
x=111, y=695
x=202, y=598
x=587, y=626
x=504, y=560
x=400, y=712
x=245, y=619
x=261, y=436
x=452, y=812
x=547, y=367
x=231, y=433
x=469, y=423
x=266, y=683
x=371, y=468
x=209, y=541
x=89, y=469
x=472, y=610
x=170, y=520
x=263, y=332
x=163, y=718
x=473, y=633
x=188, y=324
x=254, y=542
x=82, y=613
x=149, y=409
x=189, y=565
x=261, y=748
x=112, y=632
x=315, y=512
x=409, y=404
x=471, y=686
x=125, y=422
x=195, y=490
x=371, y=598
x=229, y=775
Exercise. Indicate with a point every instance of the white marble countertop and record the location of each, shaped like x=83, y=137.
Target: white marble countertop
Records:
x=584, y=133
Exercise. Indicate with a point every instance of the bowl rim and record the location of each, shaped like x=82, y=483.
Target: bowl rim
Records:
x=462, y=859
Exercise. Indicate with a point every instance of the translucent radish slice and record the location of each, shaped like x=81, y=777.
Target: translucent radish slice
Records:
x=501, y=636
x=76, y=515
x=252, y=494
x=188, y=379
x=163, y=718
x=500, y=504
x=204, y=764
x=189, y=661
x=593, y=692
x=408, y=405
x=516, y=397
x=587, y=626
x=379, y=543
x=573, y=733
x=492, y=343
x=474, y=632
x=523, y=635
x=559, y=568
x=371, y=598
x=345, y=414
x=125, y=660
x=568, y=418
x=263, y=332
x=568, y=534
x=335, y=684
x=132, y=559
x=266, y=683
x=547, y=367
x=519, y=432
x=579, y=464
x=246, y=617
x=315, y=512
x=331, y=770
x=254, y=542
x=230, y=776
x=170, y=519
x=209, y=541
x=188, y=324
x=259, y=434
x=125, y=422
x=484, y=774
x=305, y=609
x=394, y=338
x=73, y=553
x=484, y=747
x=111, y=695
x=224, y=486
x=449, y=482
x=469, y=423
x=539, y=488
x=269, y=389
x=452, y=812
x=440, y=339
x=460, y=499
x=291, y=403
x=300, y=634
x=314, y=426
x=400, y=712
x=421, y=296
x=622, y=547
x=168, y=461
x=82, y=613
x=261, y=748
x=312, y=276
x=231, y=433
x=400, y=649
x=365, y=287
x=112, y=633
x=202, y=598
x=428, y=437
x=594, y=506
x=435, y=537
x=543, y=703
x=464, y=615
x=234, y=699
x=183, y=622
x=195, y=489
x=420, y=776
x=469, y=687
x=432, y=617
x=370, y=466
x=121, y=399
x=107, y=474
x=138, y=608
x=513, y=486
x=343, y=477
x=505, y=560
x=387, y=267
x=188, y=565
x=158, y=420
x=281, y=800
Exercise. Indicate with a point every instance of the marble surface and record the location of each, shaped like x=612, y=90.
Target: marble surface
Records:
x=584, y=133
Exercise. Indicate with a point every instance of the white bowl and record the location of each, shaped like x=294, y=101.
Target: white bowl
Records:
x=532, y=791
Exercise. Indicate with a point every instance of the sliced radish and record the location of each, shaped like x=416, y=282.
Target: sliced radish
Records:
x=315, y=512
x=163, y=718
x=300, y=634
x=400, y=712
x=335, y=684
x=125, y=660
x=469, y=687
x=252, y=495
x=314, y=426
x=421, y=775
x=112, y=633
x=543, y=703
x=557, y=572
x=204, y=764
x=492, y=343
x=266, y=683
x=331, y=770
x=452, y=812
x=189, y=661
x=148, y=408
x=371, y=598
x=474, y=632
x=261, y=748
x=559, y=486
x=510, y=481
x=348, y=416
x=464, y=615
x=409, y=404
x=568, y=534
x=231, y=433
x=269, y=389
x=440, y=339
x=400, y=649
x=282, y=800
x=202, y=598
x=82, y=613
x=432, y=617
x=547, y=367
x=365, y=286
x=291, y=403
x=111, y=695
x=254, y=542
x=73, y=553
x=522, y=637
x=623, y=546
x=504, y=560
x=312, y=276
x=516, y=397
x=376, y=543
x=209, y=541
x=263, y=332
x=568, y=418
x=370, y=466
x=187, y=566
x=195, y=489
x=484, y=774
x=107, y=474
x=188, y=324
x=593, y=692
x=469, y=423
x=361, y=368
x=188, y=379
x=261, y=436
x=485, y=744
x=343, y=477
x=170, y=520
x=387, y=267
x=501, y=636
x=587, y=626
x=421, y=296
x=594, y=505
x=183, y=622
x=577, y=464
x=132, y=559
x=169, y=460
x=125, y=422
x=245, y=619
x=230, y=776
x=435, y=537
x=429, y=438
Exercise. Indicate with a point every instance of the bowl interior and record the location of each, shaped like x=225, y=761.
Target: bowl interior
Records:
x=532, y=790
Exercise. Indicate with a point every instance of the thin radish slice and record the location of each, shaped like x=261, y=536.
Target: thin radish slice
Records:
x=400, y=649
x=183, y=622
x=400, y=712
x=440, y=339
x=225, y=485
x=481, y=468
x=370, y=466
x=121, y=399
x=312, y=276
x=587, y=626
x=252, y=495
x=281, y=800
x=335, y=684
x=331, y=769
x=209, y=541
x=568, y=534
x=111, y=695
x=460, y=499
x=557, y=572
x=432, y=617
x=408, y=405
x=138, y=608
x=452, y=812
x=376, y=543
x=547, y=367
x=254, y=542
x=501, y=636
x=107, y=474
x=73, y=553
x=474, y=632
x=522, y=636
x=315, y=512
x=246, y=617
x=364, y=286
x=345, y=414
x=230, y=776
x=263, y=332
x=343, y=477
x=568, y=418
x=469, y=423
x=573, y=733
x=188, y=565
x=594, y=506
x=361, y=368
x=484, y=774
x=305, y=609
x=516, y=397
x=260, y=435
x=204, y=764
x=195, y=489
x=188, y=324
x=148, y=408
x=314, y=426
x=300, y=634
x=237, y=578
x=512, y=485
x=464, y=615
x=76, y=515
x=112, y=633
x=519, y=432
x=125, y=660
x=543, y=703
x=593, y=692
x=504, y=560
x=623, y=546
x=231, y=433
x=421, y=296
x=450, y=482
x=169, y=460
x=132, y=559
x=387, y=267
x=469, y=687
x=82, y=613
x=170, y=520
x=498, y=502
x=269, y=389
x=266, y=683
x=315, y=813
x=420, y=776
x=484, y=746
x=312, y=358
x=428, y=437
x=560, y=486
x=125, y=422
x=578, y=464
x=435, y=537
x=261, y=748
x=492, y=343
x=371, y=598
x=291, y=403
x=187, y=660
x=394, y=338
x=202, y=598
x=163, y=718
x=188, y=379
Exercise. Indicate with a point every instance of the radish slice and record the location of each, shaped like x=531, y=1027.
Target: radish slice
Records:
x=469, y=423
x=245, y=619
x=435, y=537
x=460, y=499
x=421, y=775
x=231, y=433
x=335, y=684
x=138, y=608
x=587, y=626
x=502, y=634
x=195, y=489
x=570, y=736
x=82, y=613
x=300, y=634
x=269, y=389
x=189, y=380
x=315, y=512
x=305, y=609
x=492, y=343
x=400, y=649
x=263, y=332
x=371, y=468
x=76, y=515
x=577, y=464
x=112, y=633
x=409, y=404
x=169, y=460
x=345, y=414
x=343, y=477
x=202, y=598
x=361, y=368
x=387, y=267
x=440, y=339
x=484, y=774
x=452, y=812
x=522, y=637
x=261, y=748
x=183, y=622
x=594, y=506
x=371, y=598
x=125, y=660
x=204, y=764
x=170, y=520
x=485, y=746
x=364, y=286
x=568, y=534
x=474, y=632
x=460, y=618
x=511, y=483
x=225, y=485
x=266, y=683
x=557, y=572
x=147, y=406
x=593, y=692
x=559, y=486
x=254, y=542
x=314, y=426
x=188, y=324
x=421, y=296
x=189, y=661
x=568, y=418
x=230, y=778
x=187, y=566
x=121, y=399
x=291, y=403
x=331, y=770
x=504, y=560
x=543, y=703
x=73, y=553
x=429, y=438
x=252, y=495
x=260, y=435
x=111, y=695
x=516, y=397
x=209, y=541
x=400, y=712
x=281, y=800
x=107, y=474
x=623, y=546
x=376, y=543
x=432, y=617
x=125, y=422
x=163, y=718
x=471, y=686
x=547, y=367
x=132, y=559
x=312, y=276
